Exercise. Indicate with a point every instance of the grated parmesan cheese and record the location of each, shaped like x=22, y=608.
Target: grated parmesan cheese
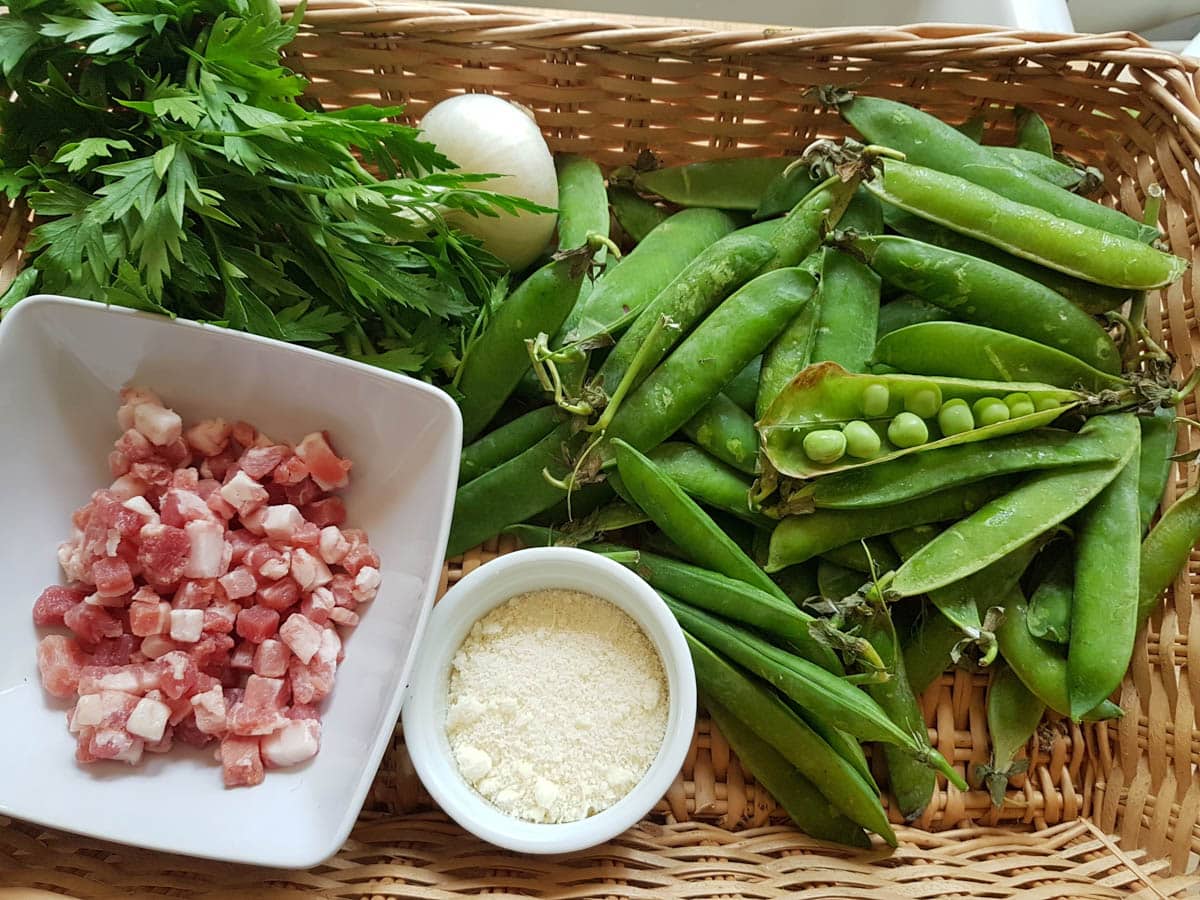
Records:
x=557, y=705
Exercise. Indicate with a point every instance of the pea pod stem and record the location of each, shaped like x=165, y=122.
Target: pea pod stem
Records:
x=632, y=375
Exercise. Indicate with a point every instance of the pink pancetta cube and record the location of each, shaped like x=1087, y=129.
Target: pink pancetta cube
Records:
x=324, y=513
x=325, y=467
x=218, y=466
x=303, y=493
x=221, y=617
x=312, y=683
x=187, y=625
x=343, y=616
x=178, y=674
x=54, y=602
x=291, y=471
x=260, y=710
x=163, y=553
x=134, y=447
x=257, y=623
x=179, y=507
x=366, y=584
x=254, y=522
x=331, y=545
x=211, y=654
x=60, y=660
x=148, y=719
x=146, y=619
x=240, y=541
x=159, y=425
x=259, y=462
x=241, y=763
x=92, y=623
x=282, y=522
x=302, y=637
x=210, y=710
x=127, y=487
x=112, y=577
x=239, y=583
x=131, y=398
x=207, y=549
x=243, y=493
x=317, y=606
x=295, y=742
x=271, y=659
x=155, y=646
x=116, y=744
x=114, y=651
x=197, y=593
x=309, y=570
x=243, y=655
x=176, y=453
x=280, y=596
x=210, y=437
x=360, y=553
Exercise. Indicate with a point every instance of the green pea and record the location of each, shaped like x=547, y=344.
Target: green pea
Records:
x=955, y=417
x=924, y=401
x=875, y=400
x=990, y=410
x=1019, y=404
x=907, y=430
x=1046, y=403
x=862, y=441
x=825, y=445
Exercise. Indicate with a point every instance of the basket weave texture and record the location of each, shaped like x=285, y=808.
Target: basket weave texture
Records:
x=1105, y=810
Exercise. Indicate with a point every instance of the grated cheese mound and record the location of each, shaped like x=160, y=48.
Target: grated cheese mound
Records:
x=557, y=705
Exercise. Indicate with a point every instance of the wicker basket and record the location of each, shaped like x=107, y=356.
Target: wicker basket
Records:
x=1107, y=810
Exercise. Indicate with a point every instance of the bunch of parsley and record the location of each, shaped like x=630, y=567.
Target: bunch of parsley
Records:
x=175, y=168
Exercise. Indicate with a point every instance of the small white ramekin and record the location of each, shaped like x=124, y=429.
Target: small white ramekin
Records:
x=425, y=707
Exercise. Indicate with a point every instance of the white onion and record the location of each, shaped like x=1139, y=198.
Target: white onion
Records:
x=485, y=134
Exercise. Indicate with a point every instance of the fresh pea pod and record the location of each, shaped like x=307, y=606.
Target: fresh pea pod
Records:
x=645, y=271
x=824, y=694
x=907, y=310
x=636, y=215
x=1041, y=665
x=684, y=522
x=825, y=396
x=707, y=480
x=497, y=359
x=1033, y=134
x=720, y=183
x=1154, y=466
x=984, y=293
x=775, y=722
x=800, y=538
x=509, y=493
x=939, y=348
x=808, y=808
x=726, y=431
x=785, y=190
x=1040, y=502
x=908, y=477
x=720, y=347
x=1166, y=550
x=848, y=298
x=1049, y=615
x=743, y=389
x=929, y=648
x=1013, y=714
x=1105, y=601
x=799, y=583
x=1047, y=168
x=927, y=141
x=873, y=554
x=582, y=202
x=506, y=442
x=1026, y=231
x=1092, y=298
x=912, y=783
x=738, y=601
x=713, y=275
x=835, y=582
x=797, y=237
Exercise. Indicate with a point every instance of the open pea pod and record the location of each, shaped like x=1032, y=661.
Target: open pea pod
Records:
x=827, y=397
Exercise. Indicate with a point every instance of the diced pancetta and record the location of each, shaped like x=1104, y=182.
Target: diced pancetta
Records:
x=148, y=719
x=210, y=710
x=257, y=623
x=60, y=660
x=210, y=437
x=309, y=571
x=241, y=763
x=295, y=742
x=325, y=467
x=127, y=487
x=317, y=606
x=131, y=398
x=163, y=553
x=302, y=637
x=271, y=659
x=179, y=507
x=259, y=462
x=159, y=424
x=187, y=625
x=330, y=511
x=54, y=602
x=239, y=583
x=282, y=522
x=243, y=493
x=206, y=541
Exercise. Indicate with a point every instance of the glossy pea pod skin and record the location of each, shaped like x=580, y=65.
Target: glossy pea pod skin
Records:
x=848, y=298
x=582, y=202
x=717, y=349
x=927, y=141
x=906, y=310
x=1049, y=614
x=498, y=358
x=784, y=191
x=1154, y=467
x=808, y=808
x=1165, y=551
x=738, y=601
x=684, y=522
x=507, y=441
x=1047, y=168
x=645, y=271
x=836, y=702
x=1093, y=299
x=726, y=431
x=798, y=235
x=918, y=475
x=863, y=556
x=738, y=183
x=1039, y=503
x=800, y=538
x=928, y=648
x=1105, y=600
x=1041, y=665
x=1033, y=134
x=719, y=270
x=912, y=783
x=990, y=295
x=636, y=215
x=775, y=722
x=743, y=388
x=1013, y=714
x=963, y=350
x=509, y=493
x=1026, y=231
x=707, y=480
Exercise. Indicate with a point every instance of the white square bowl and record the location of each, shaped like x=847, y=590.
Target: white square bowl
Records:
x=62, y=364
